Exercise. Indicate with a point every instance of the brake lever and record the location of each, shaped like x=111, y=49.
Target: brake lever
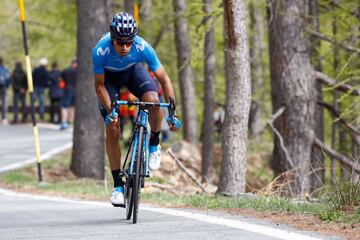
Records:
x=172, y=106
x=113, y=100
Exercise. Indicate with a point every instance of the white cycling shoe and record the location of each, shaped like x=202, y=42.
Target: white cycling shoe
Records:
x=117, y=197
x=155, y=159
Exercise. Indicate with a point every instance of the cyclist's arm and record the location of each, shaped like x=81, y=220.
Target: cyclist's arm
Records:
x=154, y=64
x=165, y=82
x=101, y=92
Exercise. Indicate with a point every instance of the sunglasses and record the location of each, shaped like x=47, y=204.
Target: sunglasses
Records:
x=127, y=44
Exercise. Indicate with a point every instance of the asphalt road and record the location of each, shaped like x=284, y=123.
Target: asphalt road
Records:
x=25, y=216
x=17, y=147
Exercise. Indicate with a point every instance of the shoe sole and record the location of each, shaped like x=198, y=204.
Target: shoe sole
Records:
x=118, y=205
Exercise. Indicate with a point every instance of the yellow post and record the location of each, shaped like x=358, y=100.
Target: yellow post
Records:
x=136, y=13
x=22, y=10
x=29, y=73
x=31, y=88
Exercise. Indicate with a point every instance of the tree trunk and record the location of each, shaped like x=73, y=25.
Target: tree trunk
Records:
x=145, y=9
x=255, y=119
x=355, y=147
x=208, y=170
x=293, y=87
x=88, y=148
x=257, y=49
x=145, y=16
x=108, y=12
x=129, y=6
x=335, y=129
x=238, y=99
x=355, y=177
x=317, y=176
x=187, y=90
x=345, y=149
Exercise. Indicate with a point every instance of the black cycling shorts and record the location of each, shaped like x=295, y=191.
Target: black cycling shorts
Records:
x=137, y=79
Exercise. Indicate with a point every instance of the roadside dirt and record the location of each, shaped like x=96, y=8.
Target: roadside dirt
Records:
x=306, y=222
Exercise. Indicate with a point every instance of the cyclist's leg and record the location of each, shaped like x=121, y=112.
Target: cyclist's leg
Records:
x=112, y=146
x=112, y=130
x=113, y=82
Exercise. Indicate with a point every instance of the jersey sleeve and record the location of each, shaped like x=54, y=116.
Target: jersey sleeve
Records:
x=98, y=61
x=150, y=57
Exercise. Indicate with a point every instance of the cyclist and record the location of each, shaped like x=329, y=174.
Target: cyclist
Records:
x=117, y=61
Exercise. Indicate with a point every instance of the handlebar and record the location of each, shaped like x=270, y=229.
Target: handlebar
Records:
x=142, y=104
x=145, y=105
x=172, y=119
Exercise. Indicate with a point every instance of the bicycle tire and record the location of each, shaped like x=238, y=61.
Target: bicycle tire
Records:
x=129, y=203
x=129, y=200
x=136, y=181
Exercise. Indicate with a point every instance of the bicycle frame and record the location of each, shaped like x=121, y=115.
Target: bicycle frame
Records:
x=139, y=147
x=141, y=121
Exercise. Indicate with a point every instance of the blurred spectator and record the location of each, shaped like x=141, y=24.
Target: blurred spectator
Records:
x=56, y=93
x=19, y=84
x=41, y=79
x=68, y=100
x=4, y=83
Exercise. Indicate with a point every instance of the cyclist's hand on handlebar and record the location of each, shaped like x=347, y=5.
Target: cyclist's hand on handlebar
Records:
x=111, y=117
x=173, y=120
x=174, y=123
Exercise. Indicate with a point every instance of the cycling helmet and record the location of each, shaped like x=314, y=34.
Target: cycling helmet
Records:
x=123, y=27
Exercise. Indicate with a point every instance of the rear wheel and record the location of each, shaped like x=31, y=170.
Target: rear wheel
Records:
x=136, y=179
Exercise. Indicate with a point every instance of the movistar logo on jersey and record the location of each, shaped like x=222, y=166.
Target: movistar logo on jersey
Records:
x=141, y=47
x=102, y=52
x=105, y=56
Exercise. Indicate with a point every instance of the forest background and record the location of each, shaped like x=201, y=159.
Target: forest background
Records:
x=52, y=30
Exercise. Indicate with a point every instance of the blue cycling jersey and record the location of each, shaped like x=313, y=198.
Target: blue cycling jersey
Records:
x=105, y=57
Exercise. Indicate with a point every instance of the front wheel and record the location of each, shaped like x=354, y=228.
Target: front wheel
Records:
x=136, y=179
x=129, y=202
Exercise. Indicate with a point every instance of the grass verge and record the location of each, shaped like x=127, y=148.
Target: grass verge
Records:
x=323, y=210
x=60, y=181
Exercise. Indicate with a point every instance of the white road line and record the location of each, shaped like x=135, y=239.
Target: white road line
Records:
x=259, y=229
x=44, y=156
x=52, y=126
x=48, y=126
